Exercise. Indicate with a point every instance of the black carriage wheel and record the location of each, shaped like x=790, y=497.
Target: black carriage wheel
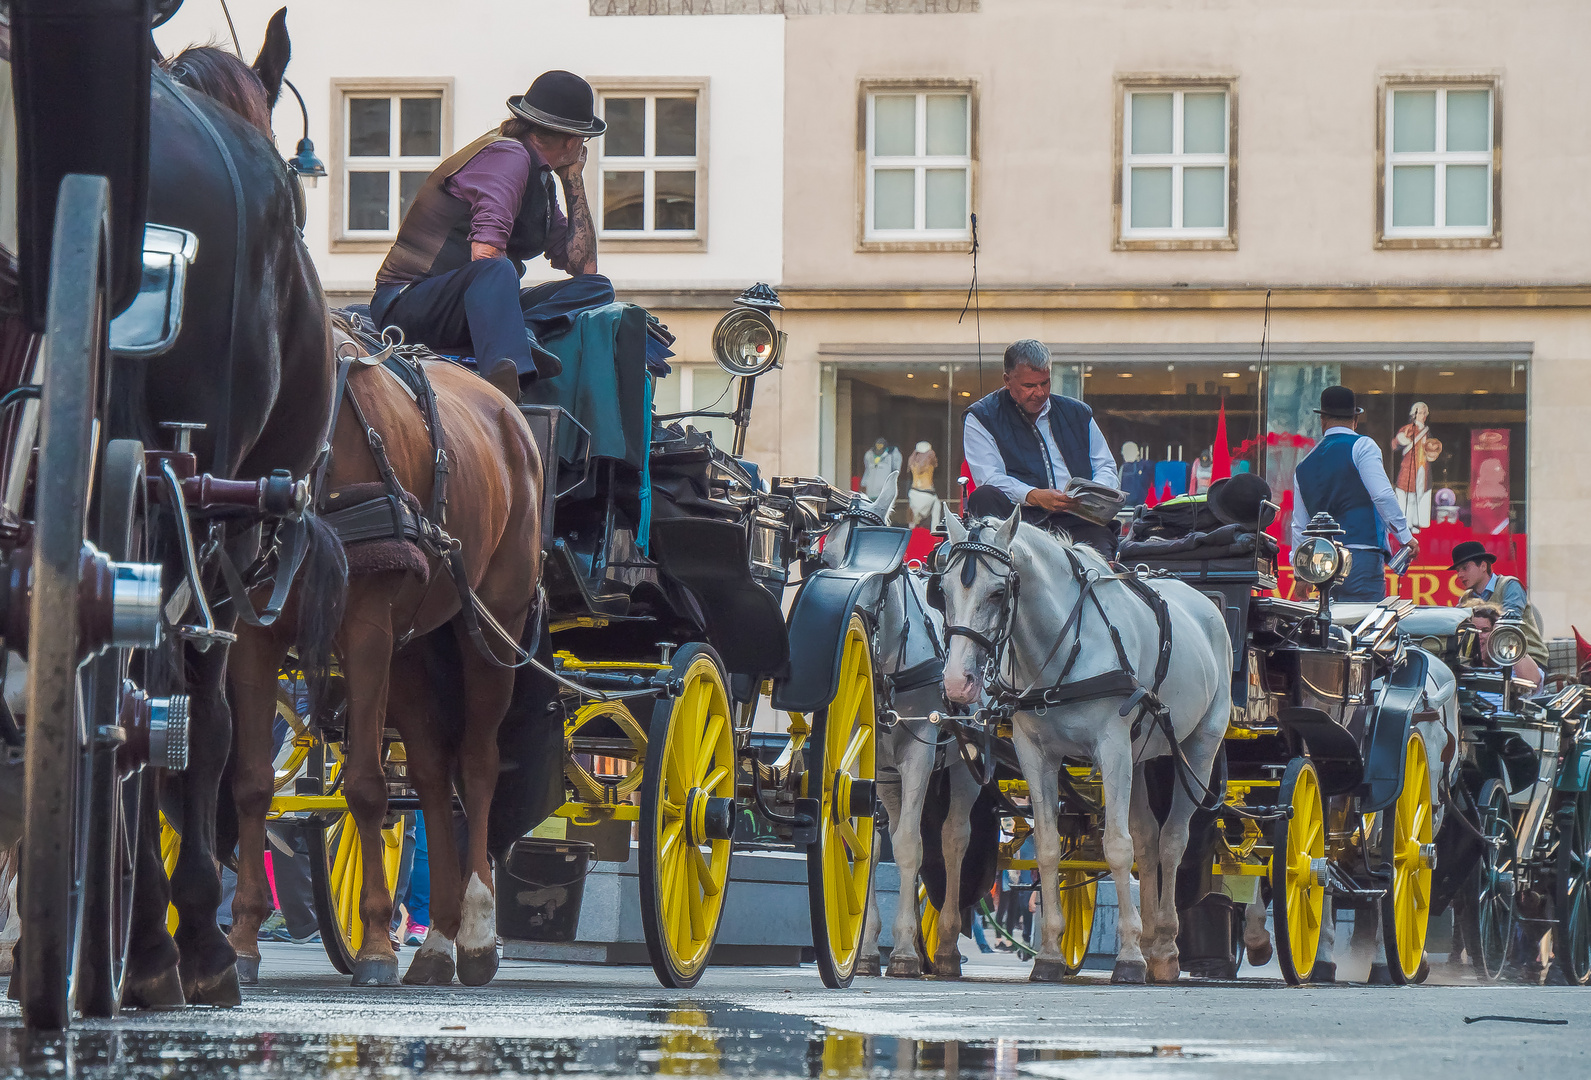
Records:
x=54, y=847
x=1571, y=933
x=1489, y=915
x=114, y=805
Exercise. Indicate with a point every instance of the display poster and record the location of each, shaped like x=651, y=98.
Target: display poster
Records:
x=1488, y=489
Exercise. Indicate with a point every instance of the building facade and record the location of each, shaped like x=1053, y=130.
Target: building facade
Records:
x=1209, y=211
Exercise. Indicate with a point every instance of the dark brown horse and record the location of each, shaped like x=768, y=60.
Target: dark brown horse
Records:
x=494, y=514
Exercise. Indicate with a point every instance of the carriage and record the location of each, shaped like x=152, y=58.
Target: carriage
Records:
x=665, y=636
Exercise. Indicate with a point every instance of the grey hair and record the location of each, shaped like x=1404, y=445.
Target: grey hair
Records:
x=1027, y=353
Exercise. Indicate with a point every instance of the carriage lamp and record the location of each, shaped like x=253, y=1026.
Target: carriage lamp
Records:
x=1317, y=560
x=304, y=160
x=1506, y=644
x=746, y=343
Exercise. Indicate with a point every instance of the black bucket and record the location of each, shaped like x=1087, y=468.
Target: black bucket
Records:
x=1207, y=941
x=539, y=889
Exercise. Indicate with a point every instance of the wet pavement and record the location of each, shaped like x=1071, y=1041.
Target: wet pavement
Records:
x=305, y=1023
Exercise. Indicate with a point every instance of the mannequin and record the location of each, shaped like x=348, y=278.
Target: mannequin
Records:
x=1202, y=470
x=1419, y=448
x=1135, y=473
x=922, y=498
x=878, y=462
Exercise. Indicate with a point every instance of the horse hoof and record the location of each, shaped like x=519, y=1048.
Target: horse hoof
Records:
x=1164, y=971
x=1130, y=973
x=477, y=966
x=429, y=968
x=248, y=971
x=904, y=965
x=947, y=967
x=868, y=965
x=1048, y=971
x=376, y=971
x=1379, y=975
x=158, y=993
x=1324, y=971
x=1260, y=955
x=221, y=989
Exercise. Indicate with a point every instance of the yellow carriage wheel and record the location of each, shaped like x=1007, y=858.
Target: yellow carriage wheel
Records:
x=840, y=776
x=1406, y=845
x=337, y=874
x=687, y=818
x=1298, y=886
x=1079, y=895
x=170, y=848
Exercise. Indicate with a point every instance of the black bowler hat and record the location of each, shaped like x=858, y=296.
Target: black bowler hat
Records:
x=1471, y=551
x=1242, y=499
x=1337, y=401
x=562, y=101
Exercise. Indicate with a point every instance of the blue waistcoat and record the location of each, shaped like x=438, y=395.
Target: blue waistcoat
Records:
x=1329, y=481
x=1018, y=439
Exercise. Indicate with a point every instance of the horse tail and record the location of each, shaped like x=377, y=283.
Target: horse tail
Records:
x=323, y=596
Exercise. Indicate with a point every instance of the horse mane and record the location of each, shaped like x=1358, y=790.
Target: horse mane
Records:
x=1033, y=536
x=226, y=80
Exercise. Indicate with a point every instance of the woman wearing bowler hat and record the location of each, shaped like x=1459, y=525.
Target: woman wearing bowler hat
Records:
x=451, y=280
x=1345, y=476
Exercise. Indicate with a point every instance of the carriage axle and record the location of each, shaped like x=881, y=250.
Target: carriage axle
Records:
x=118, y=603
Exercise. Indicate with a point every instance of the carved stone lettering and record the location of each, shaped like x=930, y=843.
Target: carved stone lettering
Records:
x=783, y=7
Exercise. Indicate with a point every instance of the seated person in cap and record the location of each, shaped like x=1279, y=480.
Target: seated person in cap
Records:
x=1024, y=444
x=1472, y=568
x=1345, y=476
x=1485, y=617
x=451, y=280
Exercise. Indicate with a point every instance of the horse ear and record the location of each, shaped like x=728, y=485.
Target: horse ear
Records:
x=886, y=501
x=1008, y=530
x=271, y=64
x=956, y=530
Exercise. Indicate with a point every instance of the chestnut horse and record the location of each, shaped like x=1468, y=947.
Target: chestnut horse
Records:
x=397, y=594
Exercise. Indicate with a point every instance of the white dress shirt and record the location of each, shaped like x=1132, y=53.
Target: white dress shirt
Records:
x=1373, y=471
x=988, y=466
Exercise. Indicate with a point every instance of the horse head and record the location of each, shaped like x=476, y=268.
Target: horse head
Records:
x=251, y=92
x=979, y=583
x=867, y=513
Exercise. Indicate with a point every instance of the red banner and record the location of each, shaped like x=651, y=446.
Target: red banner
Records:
x=1488, y=490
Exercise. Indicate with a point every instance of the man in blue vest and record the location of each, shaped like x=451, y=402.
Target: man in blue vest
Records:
x=1346, y=477
x=1023, y=444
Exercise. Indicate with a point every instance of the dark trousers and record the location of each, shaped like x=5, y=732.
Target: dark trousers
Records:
x=480, y=310
x=1366, y=582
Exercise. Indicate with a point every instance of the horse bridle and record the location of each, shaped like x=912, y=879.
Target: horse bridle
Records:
x=970, y=554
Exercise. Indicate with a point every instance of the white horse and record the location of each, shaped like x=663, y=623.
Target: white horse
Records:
x=1037, y=600
x=908, y=635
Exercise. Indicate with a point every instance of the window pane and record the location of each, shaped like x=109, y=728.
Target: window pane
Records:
x=1151, y=124
x=409, y=185
x=622, y=200
x=947, y=126
x=1468, y=116
x=674, y=200
x=1414, y=195
x=1413, y=121
x=1204, y=123
x=369, y=127
x=1467, y=197
x=946, y=196
x=420, y=133
x=894, y=199
x=626, y=135
x=1203, y=198
x=1151, y=198
x=367, y=200
x=676, y=127
x=894, y=125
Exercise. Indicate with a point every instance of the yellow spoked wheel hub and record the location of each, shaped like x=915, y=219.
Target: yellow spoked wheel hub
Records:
x=843, y=764
x=687, y=819
x=1406, y=844
x=1298, y=883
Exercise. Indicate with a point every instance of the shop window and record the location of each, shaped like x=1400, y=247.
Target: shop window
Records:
x=1440, y=151
x=918, y=164
x=393, y=133
x=1176, y=166
x=651, y=176
x=699, y=386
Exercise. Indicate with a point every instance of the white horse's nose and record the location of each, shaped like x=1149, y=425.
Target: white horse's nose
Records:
x=961, y=688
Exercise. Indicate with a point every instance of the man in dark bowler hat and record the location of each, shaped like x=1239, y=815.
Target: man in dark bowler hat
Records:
x=1345, y=476
x=1472, y=568
x=452, y=277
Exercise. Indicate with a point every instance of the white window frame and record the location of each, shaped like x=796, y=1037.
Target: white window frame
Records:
x=343, y=91
x=920, y=162
x=1177, y=161
x=1440, y=159
x=651, y=240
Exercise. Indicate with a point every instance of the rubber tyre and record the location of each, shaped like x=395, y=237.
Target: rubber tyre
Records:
x=1406, y=830
x=1489, y=915
x=690, y=756
x=1297, y=900
x=1571, y=932
x=840, y=862
x=58, y=763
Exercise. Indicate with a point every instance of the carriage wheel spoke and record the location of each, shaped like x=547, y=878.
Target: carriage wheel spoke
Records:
x=704, y=872
x=693, y=901
x=670, y=837
x=709, y=744
x=859, y=740
x=852, y=842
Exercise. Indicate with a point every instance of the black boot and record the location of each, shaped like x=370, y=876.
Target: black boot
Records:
x=548, y=366
x=502, y=374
